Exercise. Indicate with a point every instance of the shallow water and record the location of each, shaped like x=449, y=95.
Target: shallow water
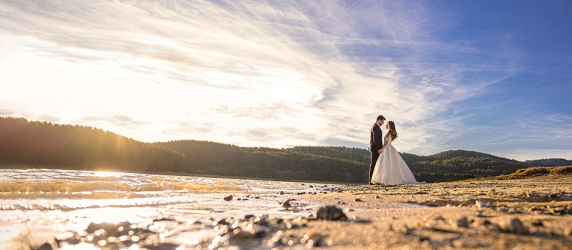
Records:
x=41, y=203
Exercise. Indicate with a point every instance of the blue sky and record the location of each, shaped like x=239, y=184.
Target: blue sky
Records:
x=488, y=76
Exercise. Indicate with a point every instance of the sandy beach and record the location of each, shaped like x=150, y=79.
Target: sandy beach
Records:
x=489, y=214
x=531, y=213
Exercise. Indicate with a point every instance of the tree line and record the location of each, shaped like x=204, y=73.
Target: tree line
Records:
x=43, y=144
x=548, y=162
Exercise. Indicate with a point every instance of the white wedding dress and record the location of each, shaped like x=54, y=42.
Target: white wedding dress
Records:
x=390, y=168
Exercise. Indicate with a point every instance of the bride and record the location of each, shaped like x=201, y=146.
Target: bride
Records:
x=390, y=168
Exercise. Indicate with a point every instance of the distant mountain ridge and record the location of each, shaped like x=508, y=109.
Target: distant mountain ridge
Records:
x=47, y=145
x=548, y=162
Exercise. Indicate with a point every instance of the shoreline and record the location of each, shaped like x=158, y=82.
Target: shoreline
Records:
x=50, y=167
x=486, y=214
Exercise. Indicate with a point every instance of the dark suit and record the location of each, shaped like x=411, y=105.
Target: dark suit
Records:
x=375, y=143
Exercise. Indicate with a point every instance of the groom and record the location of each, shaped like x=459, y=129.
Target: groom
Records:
x=375, y=143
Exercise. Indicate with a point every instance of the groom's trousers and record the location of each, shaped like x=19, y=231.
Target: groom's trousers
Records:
x=374, y=156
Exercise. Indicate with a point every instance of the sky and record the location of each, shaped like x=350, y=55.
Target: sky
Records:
x=487, y=76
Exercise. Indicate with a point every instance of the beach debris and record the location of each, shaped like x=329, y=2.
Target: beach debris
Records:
x=481, y=204
x=330, y=212
x=228, y=198
x=286, y=203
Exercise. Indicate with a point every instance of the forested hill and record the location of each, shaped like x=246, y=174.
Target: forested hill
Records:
x=549, y=162
x=259, y=162
x=332, y=163
x=352, y=154
x=42, y=144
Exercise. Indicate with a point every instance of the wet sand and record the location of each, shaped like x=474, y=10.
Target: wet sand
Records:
x=485, y=214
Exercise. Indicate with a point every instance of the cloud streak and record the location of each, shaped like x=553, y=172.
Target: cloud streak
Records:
x=279, y=73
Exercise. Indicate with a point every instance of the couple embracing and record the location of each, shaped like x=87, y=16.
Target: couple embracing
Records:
x=387, y=167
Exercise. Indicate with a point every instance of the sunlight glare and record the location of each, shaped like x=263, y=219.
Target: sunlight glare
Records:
x=106, y=174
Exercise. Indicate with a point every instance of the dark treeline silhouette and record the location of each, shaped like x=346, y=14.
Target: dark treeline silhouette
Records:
x=285, y=164
x=552, y=162
x=462, y=162
x=47, y=145
x=43, y=144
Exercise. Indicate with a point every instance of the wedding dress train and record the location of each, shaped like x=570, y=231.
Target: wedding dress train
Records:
x=391, y=169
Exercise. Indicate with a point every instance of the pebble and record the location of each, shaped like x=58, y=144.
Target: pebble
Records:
x=228, y=198
x=538, y=223
x=357, y=199
x=462, y=222
x=281, y=193
x=45, y=246
x=516, y=226
x=435, y=203
x=467, y=243
x=486, y=223
x=314, y=243
x=330, y=213
x=439, y=217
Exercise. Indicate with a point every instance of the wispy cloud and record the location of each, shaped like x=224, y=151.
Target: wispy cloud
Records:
x=267, y=73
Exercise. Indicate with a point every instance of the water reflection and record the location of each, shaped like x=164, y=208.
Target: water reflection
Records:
x=38, y=204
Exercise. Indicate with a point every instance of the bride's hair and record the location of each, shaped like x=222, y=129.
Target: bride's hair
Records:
x=392, y=132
